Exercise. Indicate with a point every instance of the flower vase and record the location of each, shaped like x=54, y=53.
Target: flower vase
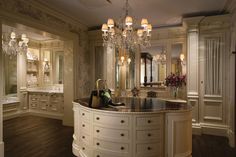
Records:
x=175, y=92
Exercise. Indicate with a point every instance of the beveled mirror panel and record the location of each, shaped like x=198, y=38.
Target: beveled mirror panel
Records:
x=177, y=58
x=153, y=66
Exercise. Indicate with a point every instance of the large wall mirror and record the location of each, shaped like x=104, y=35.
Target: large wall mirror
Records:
x=10, y=75
x=153, y=66
x=178, y=64
x=58, y=68
x=125, y=69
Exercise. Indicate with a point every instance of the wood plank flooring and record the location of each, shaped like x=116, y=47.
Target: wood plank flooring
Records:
x=32, y=136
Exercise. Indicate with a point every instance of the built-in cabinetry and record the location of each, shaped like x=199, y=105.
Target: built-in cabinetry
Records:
x=99, y=133
x=46, y=104
x=10, y=107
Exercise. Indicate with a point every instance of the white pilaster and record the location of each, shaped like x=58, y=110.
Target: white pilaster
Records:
x=1, y=95
x=70, y=89
x=192, y=25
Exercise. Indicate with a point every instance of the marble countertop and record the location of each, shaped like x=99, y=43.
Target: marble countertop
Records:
x=45, y=91
x=9, y=100
x=133, y=104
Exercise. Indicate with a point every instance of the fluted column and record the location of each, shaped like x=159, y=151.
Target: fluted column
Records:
x=191, y=25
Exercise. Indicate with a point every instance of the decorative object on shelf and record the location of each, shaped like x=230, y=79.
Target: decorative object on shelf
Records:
x=46, y=65
x=175, y=81
x=135, y=92
x=11, y=45
x=31, y=56
x=125, y=32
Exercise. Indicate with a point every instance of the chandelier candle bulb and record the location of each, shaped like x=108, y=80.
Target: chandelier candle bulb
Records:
x=140, y=32
x=128, y=21
x=110, y=23
x=122, y=58
x=129, y=60
x=13, y=35
x=104, y=27
x=144, y=23
x=149, y=28
x=125, y=33
x=23, y=37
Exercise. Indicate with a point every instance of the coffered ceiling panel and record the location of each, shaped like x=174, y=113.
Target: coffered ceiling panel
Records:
x=159, y=12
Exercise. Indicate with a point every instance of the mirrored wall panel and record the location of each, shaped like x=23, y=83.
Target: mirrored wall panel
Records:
x=153, y=66
x=124, y=69
x=177, y=58
x=10, y=73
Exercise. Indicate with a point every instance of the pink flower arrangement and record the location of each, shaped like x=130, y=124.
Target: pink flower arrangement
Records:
x=174, y=80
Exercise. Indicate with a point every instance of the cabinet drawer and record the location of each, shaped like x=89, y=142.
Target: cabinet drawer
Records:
x=103, y=154
x=84, y=138
x=150, y=149
x=85, y=150
x=112, y=121
x=84, y=126
x=34, y=105
x=85, y=115
x=145, y=121
x=148, y=135
x=111, y=146
x=112, y=134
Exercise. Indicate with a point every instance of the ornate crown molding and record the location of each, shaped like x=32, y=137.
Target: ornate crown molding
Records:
x=42, y=14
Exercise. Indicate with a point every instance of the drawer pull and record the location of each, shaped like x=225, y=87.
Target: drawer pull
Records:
x=149, y=148
x=122, y=134
x=149, y=121
x=83, y=114
x=98, y=156
x=149, y=135
x=97, y=131
x=97, y=118
x=122, y=121
x=83, y=137
x=83, y=148
x=98, y=143
x=83, y=125
x=122, y=148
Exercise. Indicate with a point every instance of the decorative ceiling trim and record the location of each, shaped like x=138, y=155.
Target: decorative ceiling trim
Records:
x=230, y=6
x=43, y=15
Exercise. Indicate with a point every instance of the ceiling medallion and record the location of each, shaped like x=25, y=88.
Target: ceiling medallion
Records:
x=126, y=33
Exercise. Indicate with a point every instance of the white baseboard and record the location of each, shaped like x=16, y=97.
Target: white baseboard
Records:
x=214, y=129
x=196, y=129
x=1, y=149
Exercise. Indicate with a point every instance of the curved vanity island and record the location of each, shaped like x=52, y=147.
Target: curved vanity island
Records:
x=142, y=127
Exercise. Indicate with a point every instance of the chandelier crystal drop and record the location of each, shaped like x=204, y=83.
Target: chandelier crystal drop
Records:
x=11, y=45
x=126, y=33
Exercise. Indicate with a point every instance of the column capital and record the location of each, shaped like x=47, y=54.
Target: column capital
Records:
x=192, y=23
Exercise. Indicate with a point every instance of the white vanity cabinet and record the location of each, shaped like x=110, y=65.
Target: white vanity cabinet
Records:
x=102, y=133
x=47, y=104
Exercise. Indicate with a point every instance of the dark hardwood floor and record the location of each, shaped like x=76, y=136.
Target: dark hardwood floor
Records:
x=32, y=136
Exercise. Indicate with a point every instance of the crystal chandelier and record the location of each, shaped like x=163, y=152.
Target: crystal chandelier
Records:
x=12, y=45
x=125, y=33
